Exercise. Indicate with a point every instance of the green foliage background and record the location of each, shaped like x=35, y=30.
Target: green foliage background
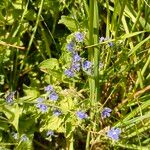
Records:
x=33, y=39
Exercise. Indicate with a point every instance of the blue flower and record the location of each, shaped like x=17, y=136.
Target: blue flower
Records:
x=70, y=46
x=50, y=133
x=86, y=65
x=10, y=97
x=81, y=115
x=110, y=44
x=42, y=107
x=101, y=65
x=48, y=88
x=114, y=133
x=69, y=73
x=76, y=57
x=15, y=136
x=57, y=112
x=75, y=66
x=79, y=37
x=24, y=138
x=101, y=39
x=40, y=99
x=53, y=96
x=106, y=112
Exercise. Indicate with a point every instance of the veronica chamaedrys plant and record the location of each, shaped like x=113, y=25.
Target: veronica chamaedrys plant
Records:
x=10, y=97
x=53, y=96
x=114, y=133
x=69, y=73
x=57, y=112
x=103, y=39
x=106, y=112
x=87, y=66
x=81, y=115
x=76, y=57
x=79, y=37
x=50, y=133
x=71, y=46
x=48, y=88
x=24, y=138
x=15, y=135
x=42, y=107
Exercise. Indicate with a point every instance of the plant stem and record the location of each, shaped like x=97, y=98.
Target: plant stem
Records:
x=33, y=34
x=70, y=143
x=90, y=55
x=93, y=54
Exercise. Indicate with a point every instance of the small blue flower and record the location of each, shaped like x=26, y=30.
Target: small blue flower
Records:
x=110, y=44
x=69, y=73
x=48, y=88
x=40, y=99
x=76, y=57
x=106, y=112
x=70, y=46
x=81, y=115
x=15, y=136
x=57, y=112
x=101, y=39
x=79, y=36
x=53, y=96
x=24, y=138
x=75, y=66
x=101, y=65
x=10, y=97
x=42, y=107
x=114, y=133
x=50, y=133
x=86, y=65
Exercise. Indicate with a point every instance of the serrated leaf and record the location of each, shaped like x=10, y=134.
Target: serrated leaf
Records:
x=69, y=22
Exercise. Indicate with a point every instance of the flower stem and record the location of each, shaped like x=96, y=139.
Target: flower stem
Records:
x=93, y=54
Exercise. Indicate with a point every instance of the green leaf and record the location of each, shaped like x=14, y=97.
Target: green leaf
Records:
x=54, y=123
x=12, y=113
x=51, y=64
x=69, y=22
x=138, y=46
x=69, y=129
x=128, y=35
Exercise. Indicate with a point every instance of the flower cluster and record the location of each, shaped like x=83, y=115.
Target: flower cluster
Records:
x=23, y=137
x=102, y=39
x=113, y=133
x=77, y=62
x=43, y=107
x=52, y=95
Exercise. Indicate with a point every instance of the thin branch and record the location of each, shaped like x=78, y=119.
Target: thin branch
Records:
x=10, y=45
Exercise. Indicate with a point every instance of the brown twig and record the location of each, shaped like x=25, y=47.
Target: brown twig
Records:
x=134, y=96
x=15, y=46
